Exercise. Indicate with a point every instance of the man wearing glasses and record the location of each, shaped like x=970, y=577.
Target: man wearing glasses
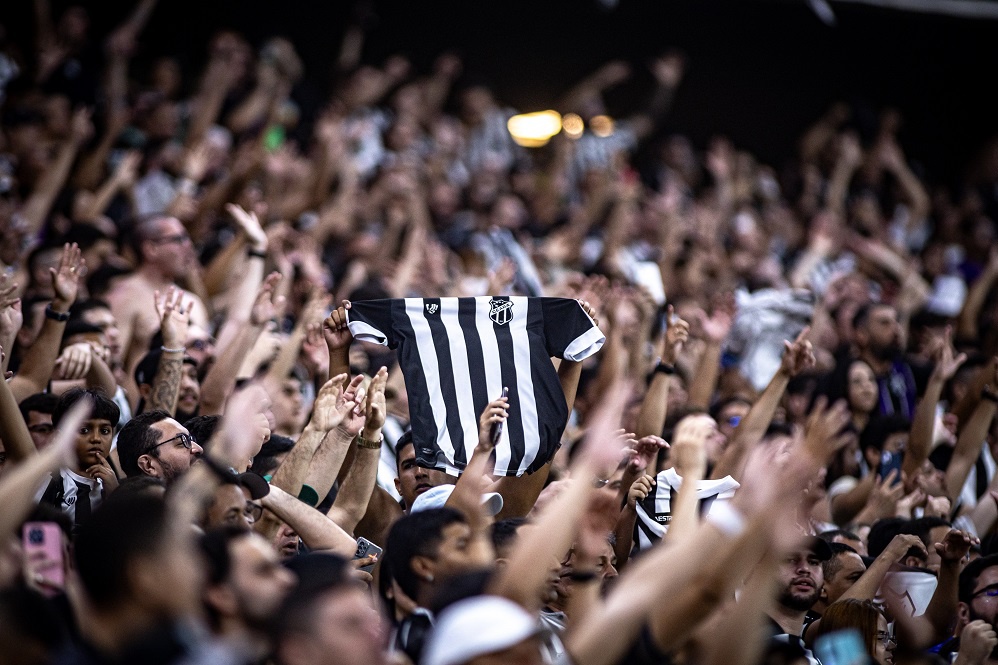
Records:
x=975, y=639
x=154, y=444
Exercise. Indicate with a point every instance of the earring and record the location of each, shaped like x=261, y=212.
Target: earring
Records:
x=429, y=578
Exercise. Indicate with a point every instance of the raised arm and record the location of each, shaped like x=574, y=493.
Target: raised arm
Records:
x=651, y=417
x=797, y=357
x=13, y=430
x=923, y=422
x=39, y=360
x=318, y=532
x=38, y=205
x=976, y=297
x=715, y=330
x=973, y=435
x=355, y=492
x=349, y=408
x=174, y=316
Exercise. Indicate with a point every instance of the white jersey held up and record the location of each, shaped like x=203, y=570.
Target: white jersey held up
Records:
x=457, y=354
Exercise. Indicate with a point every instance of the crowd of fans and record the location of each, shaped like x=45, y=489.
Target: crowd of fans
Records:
x=785, y=447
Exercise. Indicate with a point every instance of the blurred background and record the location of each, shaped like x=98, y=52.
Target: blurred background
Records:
x=758, y=71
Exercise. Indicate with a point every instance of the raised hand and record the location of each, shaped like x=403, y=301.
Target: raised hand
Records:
x=823, y=433
x=268, y=306
x=677, y=332
x=643, y=453
x=640, y=489
x=174, y=317
x=353, y=406
x=689, y=446
x=955, y=546
x=717, y=327
x=495, y=412
x=66, y=278
x=375, y=407
x=977, y=640
x=798, y=356
x=335, y=330
x=947, y=362
x=590, y=310
x=886, y=494
x=249, y=225
x=242, y=411
x=328, y=410
x=502, y=277
x=314, y=354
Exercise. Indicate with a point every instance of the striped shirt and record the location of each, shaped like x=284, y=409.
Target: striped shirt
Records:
x=655, y=511
x=457, y=354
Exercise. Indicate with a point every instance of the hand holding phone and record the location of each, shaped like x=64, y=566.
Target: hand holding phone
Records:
x=841, y=647
x=44, y=563
x=890, y=461
x=366, y=548
x=496, y=433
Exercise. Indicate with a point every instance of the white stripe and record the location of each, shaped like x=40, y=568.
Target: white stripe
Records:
x=493, y=374
x=462, y=374
x=585, y=345
x=431, y=371
x=367, y=333
x=524, y=383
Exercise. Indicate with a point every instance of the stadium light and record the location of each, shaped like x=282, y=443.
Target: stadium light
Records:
x=533, y=130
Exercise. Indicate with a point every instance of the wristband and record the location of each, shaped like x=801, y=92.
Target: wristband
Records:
x=582, y=576
x=727, y=519
x=255, y=253
x=665, y=368
x=989, y=394
x=168, y=350
x=54, y=315
x=308, y=495
x=368, y=444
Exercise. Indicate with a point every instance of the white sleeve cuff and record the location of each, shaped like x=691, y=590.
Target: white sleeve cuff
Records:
x=585, y=345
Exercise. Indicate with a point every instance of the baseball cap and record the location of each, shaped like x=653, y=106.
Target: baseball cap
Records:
x=255, y=484
x=478, y=626
x=818, y=547
x=436, y=498
x=145, y=371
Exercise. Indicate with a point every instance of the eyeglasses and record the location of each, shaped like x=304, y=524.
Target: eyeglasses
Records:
x=253, y=511
x=599, y=483
x=3, y=458
x=989, y=591
x=41, y=429
x=185, y=439
x=885, y=638
x=200, y=344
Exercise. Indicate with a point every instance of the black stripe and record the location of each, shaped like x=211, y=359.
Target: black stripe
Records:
x=446, y=371
x=514, y=424
x=421, y=416
x=549, y=398
x=467, y=319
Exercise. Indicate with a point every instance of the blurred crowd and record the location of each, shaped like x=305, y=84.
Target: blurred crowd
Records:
x=786, y=442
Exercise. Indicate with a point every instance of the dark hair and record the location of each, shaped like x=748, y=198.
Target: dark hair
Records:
x=265, y=461
x=879, y=428
x=832, y=566
x=504, y=531
x=141, y=484
x=719, y=406
x=969, y=575
x=119, y=533
x=882, y=532
x=861, y=615
x=215, y=545
x=418, y=534
x=102, y=406
x=319, y=574
x=81, y=307
x=39, y=403
x=460, y=587
x=79, y=327
x=829, y=536
x=404, y=440
x=202, y=428
x=138, y=438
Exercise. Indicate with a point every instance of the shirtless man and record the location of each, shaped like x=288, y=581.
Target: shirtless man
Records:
x=165, y=254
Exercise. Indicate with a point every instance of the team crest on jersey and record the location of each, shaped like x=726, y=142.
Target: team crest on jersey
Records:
x=432, y=308
x=501, y=312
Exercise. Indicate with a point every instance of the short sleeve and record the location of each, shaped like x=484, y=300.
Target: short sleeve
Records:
x=569, y=333
x=371, y=321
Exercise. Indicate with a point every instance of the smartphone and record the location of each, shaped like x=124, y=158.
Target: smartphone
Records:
x=366, y=548
x=842, y=647
x=43, y=556
x=890, y=461
x=496, y=432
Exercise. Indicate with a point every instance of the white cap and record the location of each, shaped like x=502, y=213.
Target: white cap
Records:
x=475, y=627
x=437, y=496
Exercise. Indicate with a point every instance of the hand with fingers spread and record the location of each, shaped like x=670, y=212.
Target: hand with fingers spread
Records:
x=907, y=504
x=677, y=332
x=946, y=359
x=798, y=356
x=249, y=225
x=717, y=326
x=495, y=412
x=642, y=456
x=314, y=354
x=268, y=306
x=174, y=317
x=330, y=406
x=640, y=489
x=315, y=307
x=66, y=278
x=335, y=329
x=886, y=494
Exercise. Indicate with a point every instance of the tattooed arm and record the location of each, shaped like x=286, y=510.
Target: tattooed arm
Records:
x=174, y=317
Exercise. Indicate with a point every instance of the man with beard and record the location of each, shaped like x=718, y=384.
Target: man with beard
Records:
x=975, y=639
x=154, y=444
x=245, y=587
x=800, y=578
x=879, y=339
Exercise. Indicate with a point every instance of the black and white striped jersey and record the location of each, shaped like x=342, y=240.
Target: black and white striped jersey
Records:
x=655, y=511
x=457, y=354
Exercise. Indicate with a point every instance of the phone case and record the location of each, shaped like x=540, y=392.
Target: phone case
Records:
x=43, y=552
